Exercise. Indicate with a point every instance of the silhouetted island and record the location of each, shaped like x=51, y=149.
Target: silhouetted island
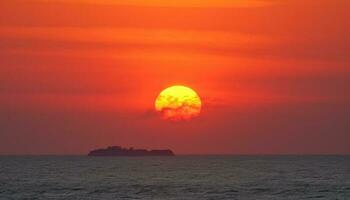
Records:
x=119, y=151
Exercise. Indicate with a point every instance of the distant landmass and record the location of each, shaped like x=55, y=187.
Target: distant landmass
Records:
x=119, y=151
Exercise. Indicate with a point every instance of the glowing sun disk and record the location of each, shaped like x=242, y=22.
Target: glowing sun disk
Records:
x=178, y=103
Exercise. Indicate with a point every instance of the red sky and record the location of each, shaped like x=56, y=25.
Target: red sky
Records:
x=274, y=76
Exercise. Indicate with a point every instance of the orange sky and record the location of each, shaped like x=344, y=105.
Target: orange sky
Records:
x=274, y=75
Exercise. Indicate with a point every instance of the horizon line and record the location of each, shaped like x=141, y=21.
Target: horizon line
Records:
x=214, y=154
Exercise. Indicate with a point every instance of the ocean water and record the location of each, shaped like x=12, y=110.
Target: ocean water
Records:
x=180, y=177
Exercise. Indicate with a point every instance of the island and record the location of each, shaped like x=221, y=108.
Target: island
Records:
x=119, y=151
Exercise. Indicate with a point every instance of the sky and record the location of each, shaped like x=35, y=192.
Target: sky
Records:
x=273, y=75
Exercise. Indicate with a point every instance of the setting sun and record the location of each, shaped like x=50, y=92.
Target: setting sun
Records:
x=178, y=103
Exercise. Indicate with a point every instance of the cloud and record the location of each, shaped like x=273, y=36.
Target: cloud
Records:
x=175, y=3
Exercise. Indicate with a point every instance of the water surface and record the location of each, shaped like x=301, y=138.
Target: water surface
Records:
x=180, y=177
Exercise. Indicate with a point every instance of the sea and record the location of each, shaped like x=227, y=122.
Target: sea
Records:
x=179, y=177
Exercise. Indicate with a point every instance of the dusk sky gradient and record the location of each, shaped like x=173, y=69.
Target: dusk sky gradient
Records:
x=274, y=75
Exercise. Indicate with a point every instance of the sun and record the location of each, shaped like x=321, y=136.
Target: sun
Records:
x=178, y=103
